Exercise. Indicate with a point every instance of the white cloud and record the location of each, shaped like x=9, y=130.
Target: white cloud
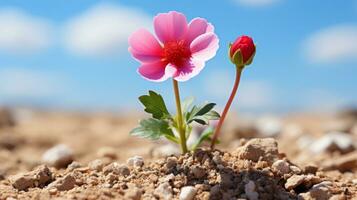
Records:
x=252, y=94
x=332, y=44
x=103, y=29
x=256, y=3
x=25, y=83
x=22, y=33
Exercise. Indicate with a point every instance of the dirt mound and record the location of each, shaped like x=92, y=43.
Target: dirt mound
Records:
x=255, y=170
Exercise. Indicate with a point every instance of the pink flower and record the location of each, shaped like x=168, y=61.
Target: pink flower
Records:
x=180, y=51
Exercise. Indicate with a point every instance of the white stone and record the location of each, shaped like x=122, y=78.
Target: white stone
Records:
x=58, y=156
x=269, y=126
x=249, y=190
x=164, y=191
x=281, y=166
x=187, y=193
x=136, y=161
x=342, y=140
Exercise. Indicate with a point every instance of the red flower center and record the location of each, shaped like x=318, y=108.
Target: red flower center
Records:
x=176, y=53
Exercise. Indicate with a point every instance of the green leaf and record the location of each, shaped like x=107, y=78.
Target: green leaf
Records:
x=205, y=136
x=154, y=129
x=205, y=109
x=155, y=105
x=202, y=115
x=212, y=115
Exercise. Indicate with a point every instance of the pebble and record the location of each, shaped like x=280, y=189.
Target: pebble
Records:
x=187, y=193
x=164, y=191
x=310, y=169
x=198, y=172
x=59, y=156
x=171, y=162
x=96, y=165
x=107, y=152
x=136, y=161
x=74, y=165
x=297, y=180
x=133, y=193
x=281, y=166
x=249, y=190
x=319, y=191
x=64, y=183
x=36, y=178
x=118, y=169
x=269, y=126
x=259, y=148
x=333, y=141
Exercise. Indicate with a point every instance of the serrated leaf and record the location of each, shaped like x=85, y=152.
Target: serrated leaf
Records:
x=155, y=105
x=153, y=129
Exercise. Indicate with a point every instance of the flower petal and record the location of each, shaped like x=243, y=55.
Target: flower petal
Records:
x=197, y=27
x=144, y=46
x=190, y=69
x=171, y=26
x=156, y=71
x=205, y=46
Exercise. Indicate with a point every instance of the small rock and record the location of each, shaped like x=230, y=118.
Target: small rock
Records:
x=187, y=193
x=259, y=148
x=249, y=190
x=344, y=163
x=310, y=169
x=164, y=191
x=319, y=191
x=74, y=165
x=118, y=169
x=333, y=141
x=165, y=150
x=107, y=152
x=297, y=180
x=36, y=178
x=63, y=184
x=136, y=161
x=198, y=172
x=133, y=193
x=295, y=169
x=269, y=126
x=171, y=162
x=96, y=165
x=58, y=156
x=281, y=166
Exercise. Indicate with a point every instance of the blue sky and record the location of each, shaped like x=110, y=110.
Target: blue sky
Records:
x=73, y=54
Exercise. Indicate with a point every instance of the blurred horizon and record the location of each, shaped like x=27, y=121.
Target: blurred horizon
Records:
x=73, y=55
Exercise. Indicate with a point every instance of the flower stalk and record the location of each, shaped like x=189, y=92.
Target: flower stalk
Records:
x=180, y=125
x=228, y=105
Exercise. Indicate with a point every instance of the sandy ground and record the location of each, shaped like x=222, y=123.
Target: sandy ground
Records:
x=325, y=141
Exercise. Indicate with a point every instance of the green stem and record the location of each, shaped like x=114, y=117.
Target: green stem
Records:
x=228, y=105
x=181, y=127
